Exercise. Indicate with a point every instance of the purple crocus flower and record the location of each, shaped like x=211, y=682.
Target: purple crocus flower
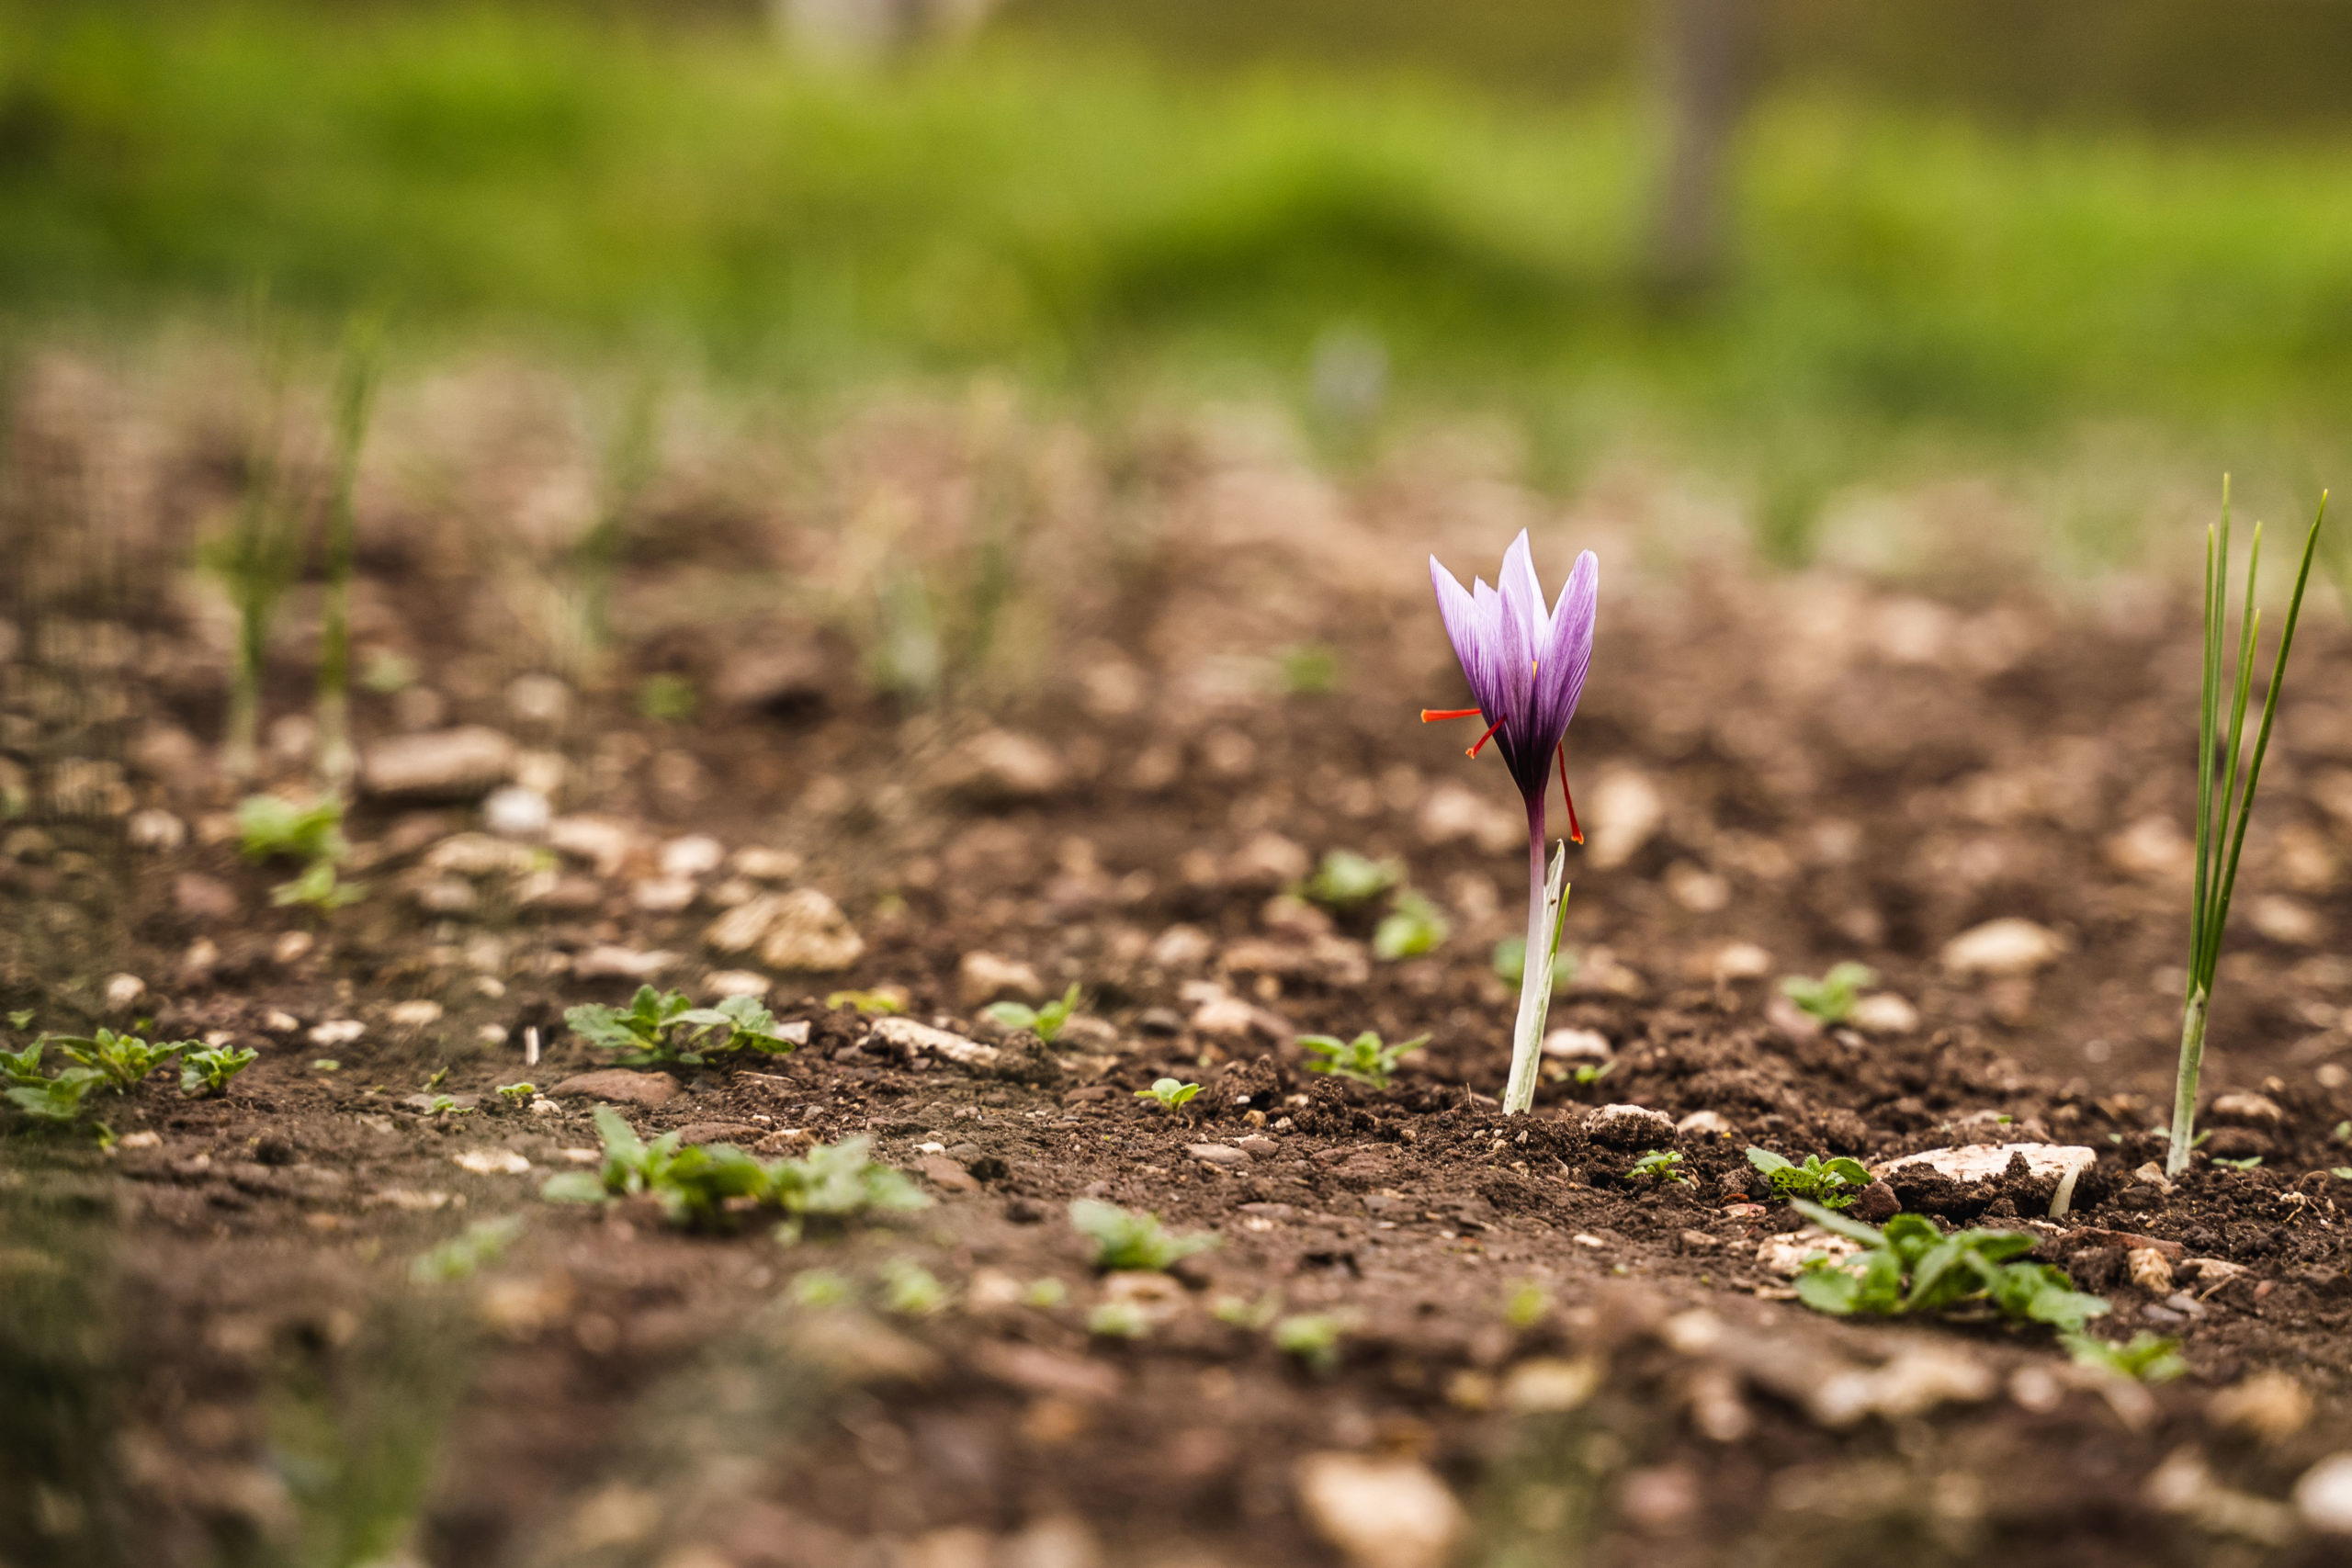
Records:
x=1526, y=666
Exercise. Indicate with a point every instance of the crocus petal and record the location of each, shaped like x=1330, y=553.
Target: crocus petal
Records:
x=1469, y=625
x=1525, y=595
x=1560, y=676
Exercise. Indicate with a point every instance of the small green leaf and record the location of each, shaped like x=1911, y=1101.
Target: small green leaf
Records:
x=573, y=1186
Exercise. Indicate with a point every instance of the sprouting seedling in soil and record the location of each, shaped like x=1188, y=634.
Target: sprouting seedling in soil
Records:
x=1129, y=1239
x=1833, y=1183
x=1313, y=1337
x=1310, y=670
x=122, y=1060
x=447, y=1105
x=1364, y=1058
x=1526, y=1304
x=659, y=1028
x=207, y=1070
x=700, y=1184
x=1169, y=1093
x=1526, y=667
x=2220, y=839
x=669, y=698
x=1117, y=1320
x=517, y=1093
x=865, y=1001
x=257, y=561
x=1414, y=927
x=1830, y=999
x=822, y=1287
x=354, y=395
x=23, y=1067
x=269, y=827
x=1047, y=1022
x=1240, y=1312
x=2145, y=1357
x=2246, y=1164
x=478, y=1246
x=1587, y=1073
x=1346, y=879
x=910, y=1290
x=1913, y=1266
x=1659, y=1165
x=21, y=1019
x=58, y=1097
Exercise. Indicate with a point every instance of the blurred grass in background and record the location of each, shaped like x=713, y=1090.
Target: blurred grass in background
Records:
x=1098, y=216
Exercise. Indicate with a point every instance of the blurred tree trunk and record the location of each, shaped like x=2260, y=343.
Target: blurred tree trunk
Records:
x=1705, y=52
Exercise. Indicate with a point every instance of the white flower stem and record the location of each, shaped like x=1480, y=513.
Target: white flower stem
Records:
x=2184, y=1094
x=1545, y=895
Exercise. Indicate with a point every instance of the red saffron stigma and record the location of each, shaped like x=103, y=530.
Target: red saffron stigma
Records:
x=1484, y=738
x=1430, y=715
x=1576, y=834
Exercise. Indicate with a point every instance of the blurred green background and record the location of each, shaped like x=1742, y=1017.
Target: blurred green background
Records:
x=1944, y=227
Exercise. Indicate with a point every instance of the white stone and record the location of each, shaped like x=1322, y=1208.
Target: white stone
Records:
x=609, y=962
x=600, y=840
x=1578, y=1045
x=1268, y=860
x=538, y=699
x=1379, y=1512
x=416, y=1014
x=663, y=895
x=802, y=929
x=736, y=983
x=157, y=829
x=697, y=854
x=478, y=855
x=450, y=765
x=1628, y=1126
x=921, y=1039
x=1918, y=1379
x=492, y=1162
x=1453, y=813
x=1705, y=1125
x=984, y=977
x=998, y=766
x=2003, y=947
x=1550, y=1384
x=1978, y=1162
x=1181, y=948
x=1742, y=961
x=123, y=991
x=517, y=813
x=2153, y=848
x=2256, y=1109
x=1886, y=1013
x=1622, y=814
x=2324, y=1495
x=761, y=863
x=2287, y=921
x=337, y=1032
x=1786, y=1255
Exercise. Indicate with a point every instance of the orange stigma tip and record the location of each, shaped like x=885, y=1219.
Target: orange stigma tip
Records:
x=1484, y=738
x=1430, y=715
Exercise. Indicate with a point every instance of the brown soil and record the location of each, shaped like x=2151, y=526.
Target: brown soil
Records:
x=1837, y=773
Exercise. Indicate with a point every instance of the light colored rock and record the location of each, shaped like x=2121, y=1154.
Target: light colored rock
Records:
x=609, y=962
x=1696, y=888
x=2324, y=1495
x=1379, y=1512
x=157, y=829
x=122, y=992
x=2287, y=921
x=1705, y=1125
x=2003, y=947
x=1454, y=814
x=2270, y=1404
x=946, y=1174
x=999, y=767
x=2066, y=1162
x=922, y=1040
x=1550, y=1384
x=479, y=856
x=2246, y=1109
x=1621, y=815
x=448, y=764
x=1267, y=861
x=1886, y=1013
x=761, y=863
x=801, y=931
x=983, y=978
x=620, y=1084
x=2153, y=849
x=737, y=983
x=336, y=1032
x=492, y=1162
x=2149, y=1270
x=1786, y=1255
x=538, y=699
x=1742, y=961
x=414, y=1014
x=1224, y=1155
x=1628, y=1127
x=1181, y=948
x=697, y=854
x=1566, y=1045
x=1915, y=1380
x=663, y=895
x=600, y=840
x=517, y=813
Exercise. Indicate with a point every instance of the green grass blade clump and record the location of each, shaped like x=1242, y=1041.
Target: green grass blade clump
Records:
x=2224, y=808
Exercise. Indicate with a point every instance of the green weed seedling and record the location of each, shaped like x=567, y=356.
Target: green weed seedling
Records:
x=1169, y=1093
x=670, y=1029
x=867, y=1002
x=1526, y=1305
x=1239, y=1312
x=207, y=1070
x=58, y=1098
x=1830, y=999
x=1045, y=1022
x=2145, y=1357
x=24, y=1067
x=1911, y=1266
x=1414, y=927
x=1833, y=1183
x=822, y=1287
x=1310, y=670
x=1128, y=1239
x=478, y=1246
x=1364, y=1058
x=1589, y=1073
x=1313, y=1337
x=2249, y=1163
x=320, y=887
x=1117, y=1320
x=517, y=1093
x=1346, y=880
x=122, y=1059
x=910, y=1290
x=270, y=829
x=698, y=1186
x=447, y=1105
x=1660, y=1164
